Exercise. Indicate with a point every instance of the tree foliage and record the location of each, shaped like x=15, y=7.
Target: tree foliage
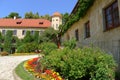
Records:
x=31, y=15
x=83, y=6
x=13, y=14
x=1, y=40
x=28, y=37
x=36, y=37
x=49, y=35
x=7, y=41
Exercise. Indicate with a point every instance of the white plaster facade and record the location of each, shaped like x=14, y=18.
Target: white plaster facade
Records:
x=56, y=20
x=19, y=31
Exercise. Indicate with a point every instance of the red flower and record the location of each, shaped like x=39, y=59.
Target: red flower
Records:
x=48, y=71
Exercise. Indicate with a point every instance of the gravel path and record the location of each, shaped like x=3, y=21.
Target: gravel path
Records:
x=8, y=64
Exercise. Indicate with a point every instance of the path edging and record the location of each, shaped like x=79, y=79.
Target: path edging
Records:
x=15, y=76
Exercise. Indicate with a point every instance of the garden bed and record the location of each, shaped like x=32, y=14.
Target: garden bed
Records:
x=31, y=66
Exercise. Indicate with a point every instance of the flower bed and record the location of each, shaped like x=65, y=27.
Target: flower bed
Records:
x=31, y=64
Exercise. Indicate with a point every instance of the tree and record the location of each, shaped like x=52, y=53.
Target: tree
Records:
x=13, y=14
x=49, y=35
x=36, y=37
x=30, y=15
x=65, y=18
x=8, y=41
x=36, y=16
x=47, y=16
x=28, y=37
x=1, y=40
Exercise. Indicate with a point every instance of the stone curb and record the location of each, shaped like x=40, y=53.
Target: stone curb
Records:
x=15, y=76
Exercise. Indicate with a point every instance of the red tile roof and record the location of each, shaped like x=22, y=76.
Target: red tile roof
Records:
x=25, y=23
x=57, y=14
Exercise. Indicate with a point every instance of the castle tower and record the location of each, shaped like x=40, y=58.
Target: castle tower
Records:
x=56, y=20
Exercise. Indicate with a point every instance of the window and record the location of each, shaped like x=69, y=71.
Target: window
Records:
x=56, y=19
x=77, y=35
x=56, y=25
x=32, y=32
x=15, y=32
x=87, y=29
x=3, y=32
x=19, y=22
x=111, y=16
x=23, y=32
x=40, y=23
x=68, y=37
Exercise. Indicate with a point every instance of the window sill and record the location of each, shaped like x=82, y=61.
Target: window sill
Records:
x=111, y=28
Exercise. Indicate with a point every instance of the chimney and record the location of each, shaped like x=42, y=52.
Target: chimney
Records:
x=14, y=17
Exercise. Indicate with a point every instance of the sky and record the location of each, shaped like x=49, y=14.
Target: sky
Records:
x=41, y=6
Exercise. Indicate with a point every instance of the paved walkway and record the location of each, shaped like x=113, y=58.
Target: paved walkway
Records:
x=8, y=64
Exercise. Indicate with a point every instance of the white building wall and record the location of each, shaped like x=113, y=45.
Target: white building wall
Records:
x=20, y=30
x=56, y=21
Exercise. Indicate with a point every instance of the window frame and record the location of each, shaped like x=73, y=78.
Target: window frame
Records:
x=77, y=34
x=3, y=32
x=14, y=32
x=23, y=32
x=87, y=29
x=110, y=16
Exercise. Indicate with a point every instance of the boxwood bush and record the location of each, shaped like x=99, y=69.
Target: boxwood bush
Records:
x=81, y=64
x=47, y=47
x=27, y=48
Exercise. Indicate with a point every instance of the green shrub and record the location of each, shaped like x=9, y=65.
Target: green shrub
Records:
x=81, y=64
x=27, y=48
x=70, y=44
x=47, y=47
x=117, y=75
x=4, y=53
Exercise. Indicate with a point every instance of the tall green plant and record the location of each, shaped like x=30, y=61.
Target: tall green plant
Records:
x=8, y=41
x=36, y=37
x=1, y=39
x=49, y=35
x=28, y=37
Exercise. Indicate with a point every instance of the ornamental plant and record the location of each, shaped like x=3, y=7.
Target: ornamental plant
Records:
x=81, y=64
x=47, y=47
x=70, y=44
x=31, y=64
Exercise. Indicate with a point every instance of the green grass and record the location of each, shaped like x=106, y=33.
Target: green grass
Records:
x=24, y=75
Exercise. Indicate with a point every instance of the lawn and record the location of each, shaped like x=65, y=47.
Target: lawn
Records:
x=24, y=75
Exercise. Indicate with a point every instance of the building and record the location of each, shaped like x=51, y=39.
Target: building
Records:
x=100, y=27
x=20, y=26
x=56, y=20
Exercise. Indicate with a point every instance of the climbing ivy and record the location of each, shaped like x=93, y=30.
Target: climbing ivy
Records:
x=82, y=8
